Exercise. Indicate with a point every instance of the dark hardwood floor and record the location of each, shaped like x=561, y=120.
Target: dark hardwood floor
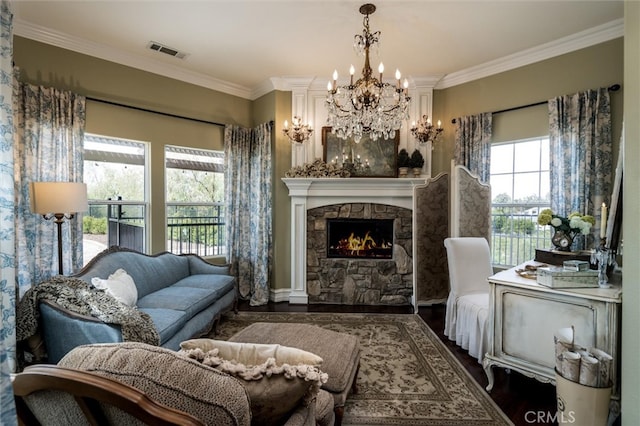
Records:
x=525, y=401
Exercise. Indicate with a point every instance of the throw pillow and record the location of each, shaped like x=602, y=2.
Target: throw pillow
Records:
x=254, y=353
x=275, y=388
x=120, y=285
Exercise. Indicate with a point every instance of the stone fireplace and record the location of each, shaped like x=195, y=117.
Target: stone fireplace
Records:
x=367, y=273
x=320, y=275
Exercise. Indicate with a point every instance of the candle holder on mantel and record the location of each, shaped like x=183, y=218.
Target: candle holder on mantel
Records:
x=605, y=258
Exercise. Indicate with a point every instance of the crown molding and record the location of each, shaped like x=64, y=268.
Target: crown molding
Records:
x=65, y=41
x=600, y=34
x=583, y=39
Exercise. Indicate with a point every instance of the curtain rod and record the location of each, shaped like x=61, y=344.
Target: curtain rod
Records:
x=612, y=88
x=154, y=112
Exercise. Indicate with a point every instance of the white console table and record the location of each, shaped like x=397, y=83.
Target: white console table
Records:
x=523, y=316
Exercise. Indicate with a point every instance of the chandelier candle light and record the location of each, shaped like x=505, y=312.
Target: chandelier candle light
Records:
x=425, y=132
x=298, y=133
x=368, y=105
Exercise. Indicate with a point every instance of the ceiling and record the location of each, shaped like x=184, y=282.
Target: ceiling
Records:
x=249, y=47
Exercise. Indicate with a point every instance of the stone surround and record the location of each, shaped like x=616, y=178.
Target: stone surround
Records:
x=359, y=281
x=382, y=284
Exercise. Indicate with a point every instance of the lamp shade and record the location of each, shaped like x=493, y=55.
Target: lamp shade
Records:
x=58, y=197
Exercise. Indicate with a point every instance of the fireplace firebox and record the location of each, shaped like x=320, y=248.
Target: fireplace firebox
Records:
x=360, y=238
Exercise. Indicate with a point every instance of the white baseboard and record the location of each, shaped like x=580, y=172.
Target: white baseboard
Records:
x=279, y=295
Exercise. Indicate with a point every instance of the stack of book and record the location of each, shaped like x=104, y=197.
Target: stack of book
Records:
x=572, y=274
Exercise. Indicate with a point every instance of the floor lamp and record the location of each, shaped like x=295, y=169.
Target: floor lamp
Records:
x=58, y=201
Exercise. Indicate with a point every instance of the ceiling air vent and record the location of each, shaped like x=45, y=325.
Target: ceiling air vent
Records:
x=158, y=47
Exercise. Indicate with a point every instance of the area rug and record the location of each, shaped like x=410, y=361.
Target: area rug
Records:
x=407, y=376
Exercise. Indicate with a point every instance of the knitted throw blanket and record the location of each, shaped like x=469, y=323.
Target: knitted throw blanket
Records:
x=79, y=297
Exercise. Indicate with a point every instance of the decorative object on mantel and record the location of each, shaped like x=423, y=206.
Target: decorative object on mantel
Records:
x=298, y=133
x=416, y=162
x=566, y=228
x=368, y=105
x=318, y=169
x=403, y=163
x=425, y=132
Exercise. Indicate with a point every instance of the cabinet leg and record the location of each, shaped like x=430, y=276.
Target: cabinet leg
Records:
x=489, y=372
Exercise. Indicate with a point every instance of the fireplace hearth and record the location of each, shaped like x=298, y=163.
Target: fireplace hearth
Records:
x=360, y=238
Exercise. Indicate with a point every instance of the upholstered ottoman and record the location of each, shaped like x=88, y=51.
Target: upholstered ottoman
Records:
x=340, y=353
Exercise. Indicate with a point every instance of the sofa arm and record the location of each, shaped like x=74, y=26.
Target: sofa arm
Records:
x=63, y=330
x=198, y=265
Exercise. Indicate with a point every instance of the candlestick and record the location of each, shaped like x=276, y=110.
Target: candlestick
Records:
x=604, y=258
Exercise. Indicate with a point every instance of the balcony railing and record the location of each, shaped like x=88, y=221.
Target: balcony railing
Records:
x=515, y=233
x=197, y=228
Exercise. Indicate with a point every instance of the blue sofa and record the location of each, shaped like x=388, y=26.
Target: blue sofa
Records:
x=183, y=294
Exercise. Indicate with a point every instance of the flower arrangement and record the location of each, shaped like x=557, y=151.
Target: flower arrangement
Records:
x=572, y=225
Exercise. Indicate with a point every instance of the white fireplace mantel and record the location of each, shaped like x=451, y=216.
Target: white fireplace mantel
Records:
x=309, y=193
x=326, y=191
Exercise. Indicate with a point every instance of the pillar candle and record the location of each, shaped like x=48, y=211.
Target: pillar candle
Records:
x=603, y=221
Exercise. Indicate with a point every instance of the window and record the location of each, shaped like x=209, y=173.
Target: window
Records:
x=195, y=195
x=114, y=171
x=520, y=190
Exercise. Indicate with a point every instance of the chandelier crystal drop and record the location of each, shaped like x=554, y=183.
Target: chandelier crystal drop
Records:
x=424, y=131
x=368, y=105
x=298, y=132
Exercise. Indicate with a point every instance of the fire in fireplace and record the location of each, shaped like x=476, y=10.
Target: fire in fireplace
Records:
x=360, y=238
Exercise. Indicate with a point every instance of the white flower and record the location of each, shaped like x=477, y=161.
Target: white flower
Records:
x=575, y=222
x=555, y=222
x=585, y=229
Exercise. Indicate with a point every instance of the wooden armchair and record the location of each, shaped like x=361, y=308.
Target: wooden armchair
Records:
x=85, y=397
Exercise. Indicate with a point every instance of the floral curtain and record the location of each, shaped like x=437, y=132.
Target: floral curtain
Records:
x=473, y=144
x=248, y=196
x=49, y=134
x=7, y=204
x=581, y=169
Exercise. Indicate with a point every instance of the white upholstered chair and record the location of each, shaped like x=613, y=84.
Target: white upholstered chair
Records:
x=469, y=261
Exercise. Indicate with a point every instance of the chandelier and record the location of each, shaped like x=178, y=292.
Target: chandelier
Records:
x=299, y=132
x=424, y=131
x=367, y=105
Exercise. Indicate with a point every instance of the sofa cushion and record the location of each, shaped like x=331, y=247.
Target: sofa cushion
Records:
x=169, y=378
x=120, y=285
x=191, y=300
x=275, y=388
x=166, y=321
x=218, y=283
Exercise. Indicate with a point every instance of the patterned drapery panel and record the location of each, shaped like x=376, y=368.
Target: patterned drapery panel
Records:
x=473, y=144
x=49, y=146
x=248, y=192
x=580, y=144
x=7, y=204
